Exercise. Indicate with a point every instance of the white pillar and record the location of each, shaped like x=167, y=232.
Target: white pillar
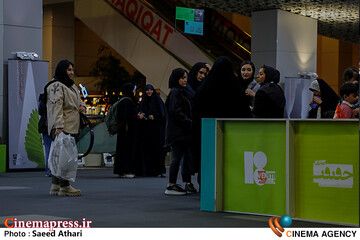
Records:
x=285, y=41
x=20, y=30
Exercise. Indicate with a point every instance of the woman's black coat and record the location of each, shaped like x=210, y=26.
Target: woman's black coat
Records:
x=179, y=115
x=269, y=99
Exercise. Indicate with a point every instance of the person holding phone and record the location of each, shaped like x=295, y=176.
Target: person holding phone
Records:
x=324, y=101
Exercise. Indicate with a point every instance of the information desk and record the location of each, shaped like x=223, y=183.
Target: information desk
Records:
x=307, y=169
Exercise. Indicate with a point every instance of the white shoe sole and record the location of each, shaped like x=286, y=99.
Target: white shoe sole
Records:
x=127, y=176
x=172, y=192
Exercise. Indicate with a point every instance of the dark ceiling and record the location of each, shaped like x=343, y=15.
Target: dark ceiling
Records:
x=337, y=19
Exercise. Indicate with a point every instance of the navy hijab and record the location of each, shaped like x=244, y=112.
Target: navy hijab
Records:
x=153, y=104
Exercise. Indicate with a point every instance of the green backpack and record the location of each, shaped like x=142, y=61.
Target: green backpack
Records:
x=111, y=121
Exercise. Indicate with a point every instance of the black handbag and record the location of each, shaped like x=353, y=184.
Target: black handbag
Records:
x=84, y=122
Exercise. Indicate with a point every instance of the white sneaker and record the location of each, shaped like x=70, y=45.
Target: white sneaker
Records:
x=175, y=190
x=127, y=175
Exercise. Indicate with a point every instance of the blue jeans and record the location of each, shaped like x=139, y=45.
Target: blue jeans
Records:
x=47, y=143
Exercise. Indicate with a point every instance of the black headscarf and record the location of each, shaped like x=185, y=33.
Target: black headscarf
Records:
x=329, y=98
x=176, y=74
x=245, y=83
x=128, y=89
x=61, y=74
x=271, y=75
x=192, y=80
x=221, y=94
x=152, y=105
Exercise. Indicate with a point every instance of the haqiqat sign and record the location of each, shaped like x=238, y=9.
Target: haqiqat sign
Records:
x=142, y=16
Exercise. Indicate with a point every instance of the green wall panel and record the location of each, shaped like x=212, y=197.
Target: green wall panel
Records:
x=255, y=167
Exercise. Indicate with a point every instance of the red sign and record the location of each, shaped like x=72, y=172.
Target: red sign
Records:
x=143, y=17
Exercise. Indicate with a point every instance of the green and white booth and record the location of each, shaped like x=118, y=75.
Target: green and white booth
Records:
x=307, y=169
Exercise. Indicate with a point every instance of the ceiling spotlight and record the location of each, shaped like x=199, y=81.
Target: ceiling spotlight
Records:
x=34, y=56
x=27, y=55
x=22, y=55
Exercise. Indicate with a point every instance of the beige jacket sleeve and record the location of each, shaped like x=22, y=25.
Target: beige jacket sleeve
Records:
x=63, y=105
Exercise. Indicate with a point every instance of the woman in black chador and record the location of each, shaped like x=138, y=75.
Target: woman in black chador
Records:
x=269, y=99
x=324, y=101
x=127, y=112
x=219, y=96
x=152, y=109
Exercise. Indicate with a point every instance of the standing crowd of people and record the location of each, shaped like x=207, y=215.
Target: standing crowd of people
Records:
x=203, y=92
x=147, y=133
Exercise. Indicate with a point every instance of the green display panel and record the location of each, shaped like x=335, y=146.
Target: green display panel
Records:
x=327, y=171
x=255, y=167
x=187, y=14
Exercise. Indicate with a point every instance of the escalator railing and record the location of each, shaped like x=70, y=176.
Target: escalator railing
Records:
x=160, y=31
x=230, y=36
x=156, y=18
x=221, y=36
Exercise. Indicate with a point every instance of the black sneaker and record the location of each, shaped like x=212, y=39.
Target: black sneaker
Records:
x=175, y=190
x=189, y=188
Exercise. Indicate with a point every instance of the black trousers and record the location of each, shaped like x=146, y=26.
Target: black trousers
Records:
x=181, y=153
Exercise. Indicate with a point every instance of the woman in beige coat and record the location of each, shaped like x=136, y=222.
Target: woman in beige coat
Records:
x=63, y=107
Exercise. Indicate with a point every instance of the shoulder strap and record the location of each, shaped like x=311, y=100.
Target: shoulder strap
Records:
x=124, y=98
x=51, y=82
x=118, y=101
x=87, y=123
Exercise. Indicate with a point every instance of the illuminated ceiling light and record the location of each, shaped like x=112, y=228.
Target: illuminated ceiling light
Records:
x=27, y=55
